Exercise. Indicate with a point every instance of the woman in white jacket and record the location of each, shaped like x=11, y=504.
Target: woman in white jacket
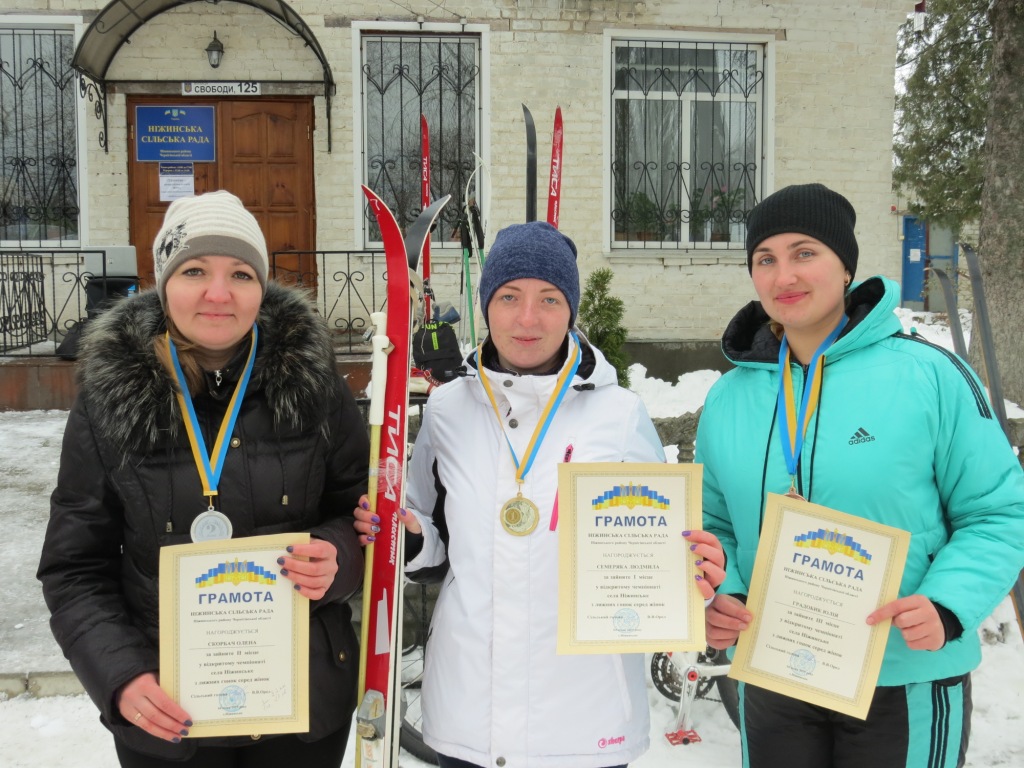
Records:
x=495, y=693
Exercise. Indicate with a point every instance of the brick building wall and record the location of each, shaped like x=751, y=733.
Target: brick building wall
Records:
x=828, y=117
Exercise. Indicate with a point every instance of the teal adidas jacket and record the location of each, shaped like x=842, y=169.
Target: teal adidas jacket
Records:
x=903, y=435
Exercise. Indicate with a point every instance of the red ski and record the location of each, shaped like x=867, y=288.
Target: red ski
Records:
x=425, y=201
x=555, y=183
x=378, y=719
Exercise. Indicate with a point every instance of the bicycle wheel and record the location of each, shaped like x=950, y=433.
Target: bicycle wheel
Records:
x=411, y=735
x=418, y=607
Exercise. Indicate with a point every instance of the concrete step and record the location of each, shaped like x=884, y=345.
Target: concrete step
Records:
x=40, y=684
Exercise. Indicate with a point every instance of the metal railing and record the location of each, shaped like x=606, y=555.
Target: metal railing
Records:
x=43, y=294
x=346, y=286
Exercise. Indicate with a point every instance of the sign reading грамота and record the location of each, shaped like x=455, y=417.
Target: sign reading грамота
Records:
x=165, y=133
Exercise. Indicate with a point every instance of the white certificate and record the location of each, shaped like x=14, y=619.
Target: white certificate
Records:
x=818, y=573
x=626, y=574
x=234, y=636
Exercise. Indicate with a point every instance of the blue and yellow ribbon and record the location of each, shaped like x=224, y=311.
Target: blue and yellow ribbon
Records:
x=793, y=423
x=210, y=470
x=561, y=387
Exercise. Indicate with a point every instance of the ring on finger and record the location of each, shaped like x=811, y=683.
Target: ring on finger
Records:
x=137, y=716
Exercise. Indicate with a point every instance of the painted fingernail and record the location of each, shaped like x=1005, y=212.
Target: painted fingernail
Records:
x=289, y=548
x=402, y=512
x=375, y=528
x=297, y=587
x=371, y=538
x=364, y=504
x=183, y=732
x=687, y=533
x=188, y=723
x=375, y=519
x=176, y=740
x=284, y=571
x=280, y=561
x=698, y=562
x=698, y=577
x=693, y=547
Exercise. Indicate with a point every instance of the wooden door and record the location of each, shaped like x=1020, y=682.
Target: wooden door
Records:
x=264, y=155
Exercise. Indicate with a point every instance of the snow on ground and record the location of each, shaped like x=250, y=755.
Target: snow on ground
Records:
x=65, y=730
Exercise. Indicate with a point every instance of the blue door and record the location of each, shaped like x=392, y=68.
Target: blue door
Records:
x=915, y=245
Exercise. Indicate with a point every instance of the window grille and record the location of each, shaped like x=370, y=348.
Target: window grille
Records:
x=403, y=77
x=38, y=147
x=686, y=142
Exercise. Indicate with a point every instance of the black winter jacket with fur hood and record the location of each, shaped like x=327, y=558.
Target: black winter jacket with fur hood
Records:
x=128, y=486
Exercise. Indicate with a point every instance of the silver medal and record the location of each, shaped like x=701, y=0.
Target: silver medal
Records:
x=211, y=525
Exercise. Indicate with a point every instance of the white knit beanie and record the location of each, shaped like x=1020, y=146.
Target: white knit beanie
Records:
x=212, y=224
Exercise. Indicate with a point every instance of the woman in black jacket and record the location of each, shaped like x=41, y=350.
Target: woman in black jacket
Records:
x=129, y=483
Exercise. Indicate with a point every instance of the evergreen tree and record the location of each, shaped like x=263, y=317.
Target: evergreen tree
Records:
x=1002, y=200
x=959, y=149
x=600, y=319
x=941, y=111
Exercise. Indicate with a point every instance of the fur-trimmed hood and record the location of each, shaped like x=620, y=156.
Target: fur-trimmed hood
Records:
x=131, y=396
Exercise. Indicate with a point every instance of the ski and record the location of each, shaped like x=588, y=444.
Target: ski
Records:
x=531, y=165
x=425, y=200
x=555, y=181
x=959, y=344
x=378, y=719
x=983, y=327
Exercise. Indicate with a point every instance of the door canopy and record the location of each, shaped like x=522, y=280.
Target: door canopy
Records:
x=115, y=24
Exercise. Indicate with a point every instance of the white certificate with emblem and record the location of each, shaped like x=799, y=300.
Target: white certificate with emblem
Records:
x=626, y=574
x=234, y=636
x=818, y=573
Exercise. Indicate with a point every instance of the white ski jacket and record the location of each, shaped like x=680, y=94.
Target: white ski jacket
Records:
x=495, y=693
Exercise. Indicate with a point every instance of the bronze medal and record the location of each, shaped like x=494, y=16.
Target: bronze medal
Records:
x=791, y=493
x=519, y=516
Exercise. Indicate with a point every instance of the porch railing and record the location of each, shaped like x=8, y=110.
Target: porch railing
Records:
x=44, y=293
x=42, y=296
x=346, y=285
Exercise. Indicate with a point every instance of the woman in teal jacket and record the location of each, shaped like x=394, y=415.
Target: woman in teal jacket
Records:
x=902, y=434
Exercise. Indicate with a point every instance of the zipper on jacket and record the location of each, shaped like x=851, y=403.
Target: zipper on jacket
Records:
x=979, y=397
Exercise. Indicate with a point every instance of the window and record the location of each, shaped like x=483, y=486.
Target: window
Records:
x=686, y=142
x=403, y=77
x=38, y=143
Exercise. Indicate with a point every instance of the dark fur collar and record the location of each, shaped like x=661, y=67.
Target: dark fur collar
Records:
x=131, y=398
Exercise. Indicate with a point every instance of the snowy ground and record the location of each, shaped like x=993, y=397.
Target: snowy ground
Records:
x=66, y=731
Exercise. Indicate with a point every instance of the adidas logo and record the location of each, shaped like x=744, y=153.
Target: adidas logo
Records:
x=861, y=436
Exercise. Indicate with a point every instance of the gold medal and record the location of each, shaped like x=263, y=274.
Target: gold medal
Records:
x=519, y=516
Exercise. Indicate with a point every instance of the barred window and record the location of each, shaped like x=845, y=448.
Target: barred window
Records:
x=403, y=77
x=38, y=148
x=686, y=142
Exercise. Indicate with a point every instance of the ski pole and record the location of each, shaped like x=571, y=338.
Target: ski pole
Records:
x=466, y=249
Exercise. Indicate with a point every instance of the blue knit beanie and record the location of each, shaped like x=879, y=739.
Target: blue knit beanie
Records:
x=536, y=250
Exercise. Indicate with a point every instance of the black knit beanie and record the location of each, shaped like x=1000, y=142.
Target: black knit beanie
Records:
x=536, y=250
x=810, y=209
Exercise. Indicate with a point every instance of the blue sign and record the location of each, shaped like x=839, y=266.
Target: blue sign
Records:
x=169, y=133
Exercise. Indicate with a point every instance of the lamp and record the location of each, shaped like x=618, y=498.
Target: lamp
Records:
x=215, y=51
